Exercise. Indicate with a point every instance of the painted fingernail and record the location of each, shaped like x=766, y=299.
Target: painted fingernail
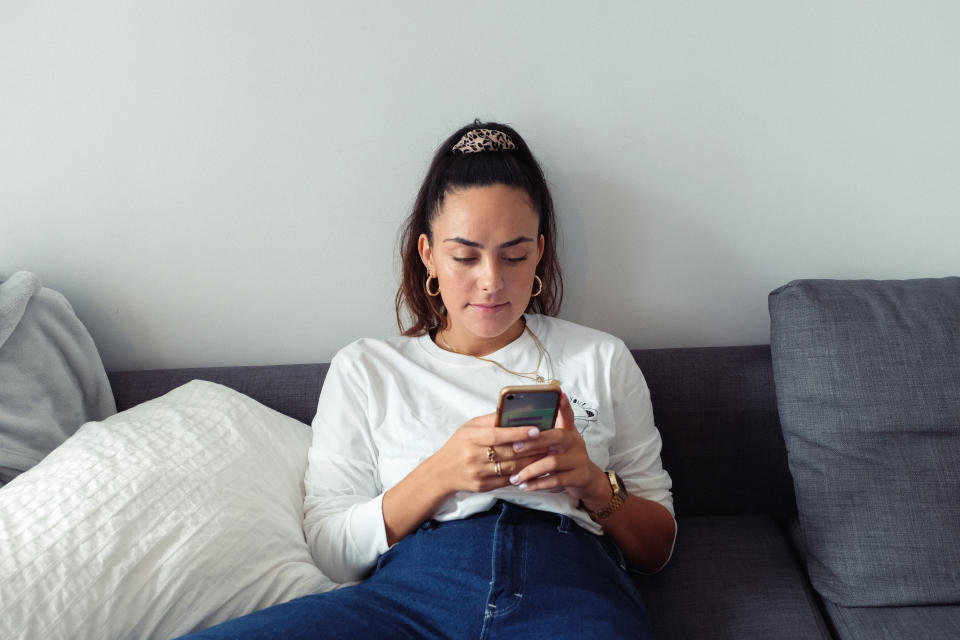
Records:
x=522, y=487
x=515, y=478
x=517, y=446
x=534, y=432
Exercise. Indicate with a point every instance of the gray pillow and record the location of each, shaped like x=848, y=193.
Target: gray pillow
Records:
x=51, y=376
x=868, y=390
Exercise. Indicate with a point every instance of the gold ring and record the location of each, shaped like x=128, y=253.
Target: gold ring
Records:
x=496, y=467
x=491, y=454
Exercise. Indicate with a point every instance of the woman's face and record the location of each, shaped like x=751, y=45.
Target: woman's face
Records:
x=484, y=254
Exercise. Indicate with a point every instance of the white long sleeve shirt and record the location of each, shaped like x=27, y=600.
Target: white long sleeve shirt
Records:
x=388, y=405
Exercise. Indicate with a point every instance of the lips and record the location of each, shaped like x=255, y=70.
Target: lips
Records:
x=488, y=308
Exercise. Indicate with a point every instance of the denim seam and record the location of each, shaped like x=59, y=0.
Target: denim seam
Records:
x=487, y=616
x=523, y=575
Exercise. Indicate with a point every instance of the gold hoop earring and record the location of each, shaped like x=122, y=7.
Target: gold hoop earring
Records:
x=426, y=286
x=539, y=286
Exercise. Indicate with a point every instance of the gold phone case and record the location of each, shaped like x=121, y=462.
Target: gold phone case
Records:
x=527, y=389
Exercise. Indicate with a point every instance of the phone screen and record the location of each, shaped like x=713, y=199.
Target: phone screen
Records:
x=521, y=408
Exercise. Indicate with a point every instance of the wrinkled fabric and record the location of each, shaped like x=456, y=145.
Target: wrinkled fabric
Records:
x=52, y=379
x=177, y=514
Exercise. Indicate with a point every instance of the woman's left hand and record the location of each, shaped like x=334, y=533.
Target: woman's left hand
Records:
x=643, y=529
x=566, y=464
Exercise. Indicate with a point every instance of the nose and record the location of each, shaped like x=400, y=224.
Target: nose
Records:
x=490, y=279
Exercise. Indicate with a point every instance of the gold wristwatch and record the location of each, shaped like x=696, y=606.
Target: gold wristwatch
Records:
x=619, y=497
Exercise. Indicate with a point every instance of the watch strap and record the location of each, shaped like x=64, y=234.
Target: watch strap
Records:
x=619, y=497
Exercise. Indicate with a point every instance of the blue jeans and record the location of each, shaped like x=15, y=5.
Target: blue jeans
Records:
x=509, y=572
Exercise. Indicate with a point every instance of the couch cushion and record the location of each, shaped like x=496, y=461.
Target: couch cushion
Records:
x=894, y=623
x=716, y=409
x=291, y=389
x=868, y=390
x=731, y=577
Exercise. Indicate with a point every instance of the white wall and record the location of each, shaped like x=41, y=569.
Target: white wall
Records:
x=220, y=182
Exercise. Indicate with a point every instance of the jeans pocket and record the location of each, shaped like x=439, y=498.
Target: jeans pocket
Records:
x=384, y=557
x=414, y=538
x=622, y=573
x=610, y=549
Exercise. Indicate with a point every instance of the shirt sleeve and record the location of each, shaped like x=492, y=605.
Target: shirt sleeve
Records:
x=343, y=516
x=635, y=449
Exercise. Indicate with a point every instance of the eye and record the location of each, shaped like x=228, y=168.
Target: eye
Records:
x=467, y=260
x=515, y=260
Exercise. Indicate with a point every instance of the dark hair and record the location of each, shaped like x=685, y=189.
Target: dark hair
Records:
x=450, y=171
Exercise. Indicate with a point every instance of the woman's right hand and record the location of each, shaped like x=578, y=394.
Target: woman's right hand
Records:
x=464, y=462
x=461, y=464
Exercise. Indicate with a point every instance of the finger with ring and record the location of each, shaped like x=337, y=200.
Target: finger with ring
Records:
x=491, y=454
x=496, y=467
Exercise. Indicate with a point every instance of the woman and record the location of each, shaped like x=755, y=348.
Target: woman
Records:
x=457, y=527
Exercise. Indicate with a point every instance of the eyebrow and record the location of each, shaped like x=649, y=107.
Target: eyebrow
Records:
x=505, y=245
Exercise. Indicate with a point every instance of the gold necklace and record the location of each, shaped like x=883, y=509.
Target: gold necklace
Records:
x=529, y=375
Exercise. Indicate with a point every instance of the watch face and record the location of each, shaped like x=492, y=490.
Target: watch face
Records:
x=619, y=496
x=620, y=488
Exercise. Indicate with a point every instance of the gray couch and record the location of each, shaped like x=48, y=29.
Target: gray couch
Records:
x=735, y=573
x=868, y=390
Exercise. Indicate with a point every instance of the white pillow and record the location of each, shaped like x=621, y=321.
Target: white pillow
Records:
x=172, y=516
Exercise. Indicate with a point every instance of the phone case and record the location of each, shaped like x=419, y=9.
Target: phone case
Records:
x=528, y=405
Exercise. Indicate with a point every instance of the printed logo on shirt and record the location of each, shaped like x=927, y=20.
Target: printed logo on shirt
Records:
x=584, y=415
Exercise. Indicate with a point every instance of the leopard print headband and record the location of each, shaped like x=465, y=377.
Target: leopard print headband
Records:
x=477, y=140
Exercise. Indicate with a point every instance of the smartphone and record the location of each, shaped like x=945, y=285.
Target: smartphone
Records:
x=528, y=405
